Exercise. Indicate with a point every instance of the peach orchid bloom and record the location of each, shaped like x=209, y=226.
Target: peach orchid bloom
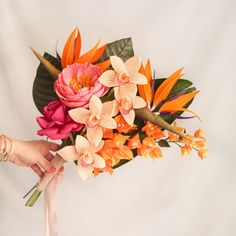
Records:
x=126, y=101
x=97, y=117
x=124, y=74
x=86, y=155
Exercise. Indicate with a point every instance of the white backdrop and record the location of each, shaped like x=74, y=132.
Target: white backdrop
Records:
x=169, y=196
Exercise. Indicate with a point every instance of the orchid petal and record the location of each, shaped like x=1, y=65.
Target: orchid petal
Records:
x=138, y=78
x=108, y=108
x=108, y=122
x=94, y=135
x=79, y=115
x=118, y=64
x=133, y=65
x=98, y=161
x=68, y=153
x=108, y=78
x=81, y=144
x=129, y=118
x=138, y=102
x=95, y=105
x=95, y=149
x=128, y=91
x=84, y=173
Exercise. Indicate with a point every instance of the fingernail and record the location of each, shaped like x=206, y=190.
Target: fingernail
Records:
x=52, y=169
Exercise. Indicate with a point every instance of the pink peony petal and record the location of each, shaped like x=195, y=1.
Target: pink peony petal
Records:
x=59, y=115
x=98, y=161
x=117, y=64
x=79, y=115
x=68, y=153
x=95, y=135
x=108, y=78
x=138, y=102
x=133, y=65
x=81, y=144
x=66, y=129
x=84, y=173
x=108, y=122
x=42, y=122
x=95, y=106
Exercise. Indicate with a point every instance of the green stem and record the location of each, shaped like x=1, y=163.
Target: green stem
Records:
x=34, y=197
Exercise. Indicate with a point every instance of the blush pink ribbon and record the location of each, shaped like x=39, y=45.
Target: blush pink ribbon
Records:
x=49, y=184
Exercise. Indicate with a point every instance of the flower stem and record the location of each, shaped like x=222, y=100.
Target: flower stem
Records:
x=34, y=197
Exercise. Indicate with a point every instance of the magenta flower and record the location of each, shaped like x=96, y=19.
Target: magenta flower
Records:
x=77, y=83
x=56, y=122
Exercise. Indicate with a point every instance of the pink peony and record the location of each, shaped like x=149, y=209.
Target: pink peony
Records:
x=56, y=122
x=77, y=83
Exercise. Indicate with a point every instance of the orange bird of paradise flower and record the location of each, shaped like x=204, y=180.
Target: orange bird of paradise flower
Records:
x=159, y=100
x=72, y=49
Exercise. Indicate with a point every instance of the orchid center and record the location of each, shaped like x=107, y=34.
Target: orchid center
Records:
x=123, y=78
x=93, y=121
x=87, y=160
x=126, y=105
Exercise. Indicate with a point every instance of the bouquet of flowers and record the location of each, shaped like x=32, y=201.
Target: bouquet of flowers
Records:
x=108, y=107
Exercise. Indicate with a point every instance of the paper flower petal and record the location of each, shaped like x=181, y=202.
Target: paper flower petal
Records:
x=98, y=161
x=68, y=153
x=84, y=173
x=94, y=135
x=79, y=115
x=133, y=65
x=95, y=105
x=108, y=78
x=117, y=64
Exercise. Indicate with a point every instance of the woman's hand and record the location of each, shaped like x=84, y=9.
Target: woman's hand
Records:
x=35, y=154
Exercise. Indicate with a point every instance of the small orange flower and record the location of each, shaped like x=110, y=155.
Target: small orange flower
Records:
x=199, y=144
x=153, y=131
x=185, y=150
x=134, y=142
x=149, y=149
x=174, y=137
x=199, y=134
x=123, y=126
x=202, y=153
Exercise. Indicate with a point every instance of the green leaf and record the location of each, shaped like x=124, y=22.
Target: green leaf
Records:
x=122, y=48
x=163, y=143
x=43, y=91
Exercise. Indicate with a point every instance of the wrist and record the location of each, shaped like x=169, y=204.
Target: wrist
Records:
x=5, y=148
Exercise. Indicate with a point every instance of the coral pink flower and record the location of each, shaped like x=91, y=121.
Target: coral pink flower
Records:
x=124, y=74
x=126, y=101
x=85, y=154
x=97, y=117
x=77, y=83
x=56, y=122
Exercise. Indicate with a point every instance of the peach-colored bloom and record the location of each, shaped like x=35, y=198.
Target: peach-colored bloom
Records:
x=124, y=74
x=126, y=101
x=153, y=131
x=149, y=149
x=86, y=155
x=97, y=117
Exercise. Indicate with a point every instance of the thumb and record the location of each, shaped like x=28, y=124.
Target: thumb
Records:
x=45, y=165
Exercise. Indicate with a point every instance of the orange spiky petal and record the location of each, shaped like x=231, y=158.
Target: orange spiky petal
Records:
x=104, y=65
x=178, y=103
x=163, y=91
x=99, y=53
x=88, y=56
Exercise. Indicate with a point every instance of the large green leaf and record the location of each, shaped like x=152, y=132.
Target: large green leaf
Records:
x=122, y=48
x=43, y=91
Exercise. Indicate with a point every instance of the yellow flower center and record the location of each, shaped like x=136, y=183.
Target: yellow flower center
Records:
x=77, y=83
x=126, y=105
x=94, y=120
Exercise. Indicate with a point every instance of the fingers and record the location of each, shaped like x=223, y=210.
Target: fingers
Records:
x=45, y=165
x=37, y=170
x=53, y=146
x=49, y=156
